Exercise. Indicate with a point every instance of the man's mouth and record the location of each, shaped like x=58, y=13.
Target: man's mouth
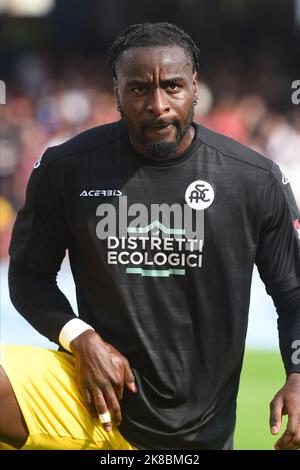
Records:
x=159, y=123
x=166, y=125
x=161, y=127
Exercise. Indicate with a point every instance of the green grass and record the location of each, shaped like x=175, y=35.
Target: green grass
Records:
x=262, y=377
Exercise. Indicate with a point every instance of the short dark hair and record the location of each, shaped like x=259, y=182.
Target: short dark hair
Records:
x=152, y=34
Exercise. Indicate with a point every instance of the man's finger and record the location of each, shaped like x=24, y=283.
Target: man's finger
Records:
x=90, y=403
x=102, y=410
x=286, y=442
x=288, y=438
x=87, y=398
x=119, y=389
x=113, y=404
x=129, y=378
x=275, y=415
x=293, y=423
x=293, y=444
x=296, y=441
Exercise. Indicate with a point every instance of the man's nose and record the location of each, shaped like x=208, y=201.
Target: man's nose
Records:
x=158, y=102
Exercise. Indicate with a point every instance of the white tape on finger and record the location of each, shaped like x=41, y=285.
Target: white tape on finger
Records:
x=104, y=417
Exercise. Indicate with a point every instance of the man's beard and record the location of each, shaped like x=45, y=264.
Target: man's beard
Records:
x=162, y=150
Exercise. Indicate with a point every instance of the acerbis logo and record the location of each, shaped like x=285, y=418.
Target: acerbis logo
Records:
x=199, y=195
x=101, y=192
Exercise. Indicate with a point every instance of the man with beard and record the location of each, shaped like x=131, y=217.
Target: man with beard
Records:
x=157, y=352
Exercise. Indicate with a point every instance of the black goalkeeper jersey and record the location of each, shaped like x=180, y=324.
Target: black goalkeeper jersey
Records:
x=162, y=255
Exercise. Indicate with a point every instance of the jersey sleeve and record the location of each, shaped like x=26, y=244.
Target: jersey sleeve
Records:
x=278, y=253
x=40, y=234
x=39, y=241
x=278, y=262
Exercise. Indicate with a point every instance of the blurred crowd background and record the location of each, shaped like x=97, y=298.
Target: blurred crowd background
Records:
x=58, y=83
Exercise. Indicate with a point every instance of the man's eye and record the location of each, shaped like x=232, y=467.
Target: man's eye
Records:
x=173, y=86
x=139, y=89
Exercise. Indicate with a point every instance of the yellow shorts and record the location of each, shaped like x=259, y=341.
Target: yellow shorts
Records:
x=43, y=381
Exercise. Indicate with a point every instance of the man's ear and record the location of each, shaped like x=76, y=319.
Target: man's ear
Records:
x=195, y=83
x=116, y=91
x=115, y=86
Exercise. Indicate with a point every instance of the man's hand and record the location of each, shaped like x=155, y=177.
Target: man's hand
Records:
x=287, y=402
x=101, y=372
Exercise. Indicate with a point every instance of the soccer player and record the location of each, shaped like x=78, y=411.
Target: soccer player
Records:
x=163, y=221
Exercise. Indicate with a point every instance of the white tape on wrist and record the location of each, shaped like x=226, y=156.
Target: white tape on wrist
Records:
x=71, y=330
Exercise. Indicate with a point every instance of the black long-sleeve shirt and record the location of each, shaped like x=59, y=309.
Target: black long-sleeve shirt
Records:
x=162, y=255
